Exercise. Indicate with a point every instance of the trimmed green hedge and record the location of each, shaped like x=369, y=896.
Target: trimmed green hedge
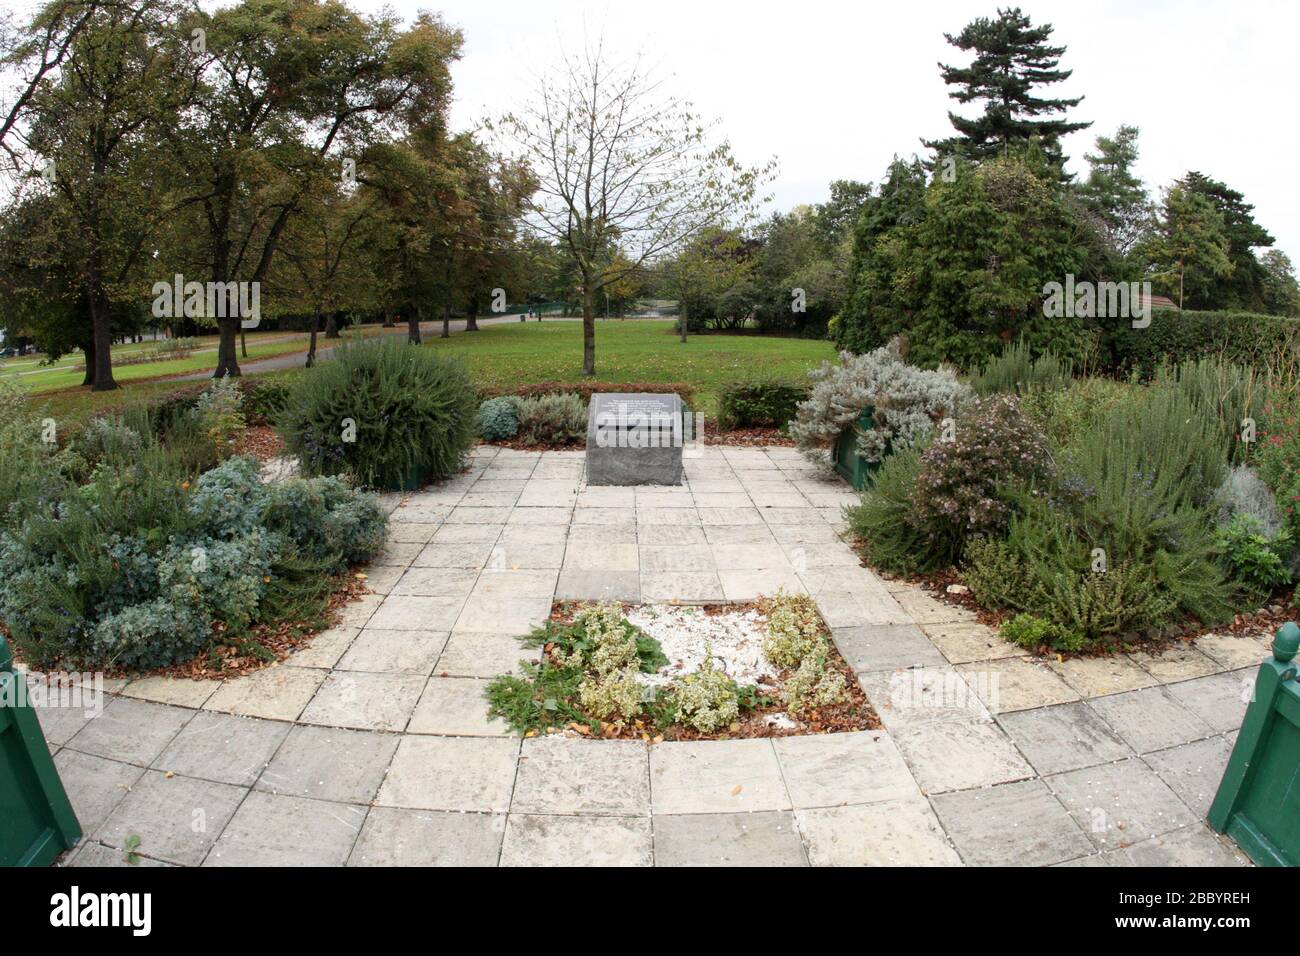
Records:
x=586, y=388
x=759, y=403
x=1175, y=336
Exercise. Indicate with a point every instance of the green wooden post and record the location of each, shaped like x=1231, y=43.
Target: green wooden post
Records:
x=844, y=453
x=1258, y=803
x=36, y=818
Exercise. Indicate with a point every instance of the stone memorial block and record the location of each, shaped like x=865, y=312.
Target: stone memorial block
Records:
x=634, y=439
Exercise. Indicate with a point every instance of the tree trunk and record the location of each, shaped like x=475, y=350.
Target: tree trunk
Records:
x=227, y=359
x=243, y=342
x=588, y=331
x=446, y=318
x=413, y=317
x=388, y=319
x=683, y=320
x=103, y=381
x=88, y=350
x=471, y=317
x=311, y=347
x=332, y=325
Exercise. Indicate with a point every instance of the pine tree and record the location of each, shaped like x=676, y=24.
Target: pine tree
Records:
x=1012, y=58
x=1114, y=194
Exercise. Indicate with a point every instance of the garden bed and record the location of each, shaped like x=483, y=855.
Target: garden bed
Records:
x=660, y=672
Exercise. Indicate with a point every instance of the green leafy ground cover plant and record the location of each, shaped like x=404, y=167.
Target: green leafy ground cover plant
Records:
x=587, y=681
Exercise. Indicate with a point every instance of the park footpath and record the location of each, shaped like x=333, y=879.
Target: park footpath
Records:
x=371, y=746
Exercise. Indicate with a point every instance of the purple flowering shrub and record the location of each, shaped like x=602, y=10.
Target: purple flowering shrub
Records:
x=967, y=484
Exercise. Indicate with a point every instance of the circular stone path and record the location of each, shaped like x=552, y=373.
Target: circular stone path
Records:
x=372, y=745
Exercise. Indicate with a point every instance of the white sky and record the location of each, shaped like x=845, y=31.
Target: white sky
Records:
x=834, y=89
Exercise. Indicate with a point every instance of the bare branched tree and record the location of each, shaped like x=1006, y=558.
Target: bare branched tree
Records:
x=627, y=174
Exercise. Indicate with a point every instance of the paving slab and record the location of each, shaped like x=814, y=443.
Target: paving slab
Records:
x=1150, y=719
x=176, y=819
x=716, y=776
x=894, y=833
x=98, y=855
x=1120, y=803
x=1193, y=771
x=395, y=837
x=223, y=748
x=394, y=652
x=728, y=839
x=920, y=695
x=1196, y=845
x=437, y=582
x=948, y=755
x=276, y=830
x=95, y=785
x=751, y=584
x=578, y=585
x=324, y=649
x=455, y=706
x=830, y=770
x=131, y=731
x=473, y=774
x=681, y=587
x=327, y=763
x=365, y=701
x=1016, y=824
x=559, y=775
x=1098, y=676
x=1064, y=737
x=275, y=692
x=482, y=654
x=1233, y=651
x=549, y=841
x=411, y=612
x=966, y=642
x=1177, y=662
x=461, y=554
x=177, y=691
x=1220, y=700
x=1015, y=684
x=59, y=724
x=886, y=647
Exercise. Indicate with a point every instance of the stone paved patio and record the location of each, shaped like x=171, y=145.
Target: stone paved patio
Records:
x=372, y=746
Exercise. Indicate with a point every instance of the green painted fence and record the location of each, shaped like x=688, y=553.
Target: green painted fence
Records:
x=1258, y=803
x=36, y=819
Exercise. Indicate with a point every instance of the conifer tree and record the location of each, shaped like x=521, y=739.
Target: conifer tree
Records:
x=1012, y=59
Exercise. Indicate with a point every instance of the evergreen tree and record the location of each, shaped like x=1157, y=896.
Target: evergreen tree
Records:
x=1114, y=194
x=1244, y=286
x=1012, y=58
x=1189, y=244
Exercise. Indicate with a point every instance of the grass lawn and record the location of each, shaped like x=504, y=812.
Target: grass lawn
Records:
x=631, y=351
x=64, y=374
x=511, y=354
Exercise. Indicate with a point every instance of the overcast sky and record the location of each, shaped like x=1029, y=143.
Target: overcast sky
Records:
x=835, y=89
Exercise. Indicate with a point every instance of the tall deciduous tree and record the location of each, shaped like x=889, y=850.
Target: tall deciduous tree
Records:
x=622, y=167
x=96, y=128
x=286, y=84
x=1013, y=58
